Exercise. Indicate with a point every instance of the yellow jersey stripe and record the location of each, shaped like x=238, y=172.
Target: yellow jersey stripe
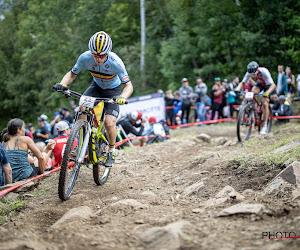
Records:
x=103, y=76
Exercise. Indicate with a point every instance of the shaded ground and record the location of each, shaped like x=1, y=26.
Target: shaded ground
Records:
x=149, y=188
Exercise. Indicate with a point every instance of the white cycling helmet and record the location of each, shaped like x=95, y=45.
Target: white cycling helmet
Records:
x=100, y=43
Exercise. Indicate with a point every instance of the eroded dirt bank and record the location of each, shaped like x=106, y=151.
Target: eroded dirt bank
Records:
x=168, y=196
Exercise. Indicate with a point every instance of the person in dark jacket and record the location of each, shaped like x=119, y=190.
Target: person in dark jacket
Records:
x=282, y=108
x=131, y=122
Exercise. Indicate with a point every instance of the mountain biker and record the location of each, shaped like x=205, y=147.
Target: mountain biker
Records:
x=264, y=82
x=108, y=73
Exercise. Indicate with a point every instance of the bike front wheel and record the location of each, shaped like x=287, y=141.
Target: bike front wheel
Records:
x=245, y=122
x=100, y=172
x=70, y=166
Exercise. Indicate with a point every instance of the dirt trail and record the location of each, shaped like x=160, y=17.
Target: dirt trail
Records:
x=164, y=196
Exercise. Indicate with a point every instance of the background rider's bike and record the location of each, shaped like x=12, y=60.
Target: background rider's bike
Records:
x=86, y=144
x=251, y=113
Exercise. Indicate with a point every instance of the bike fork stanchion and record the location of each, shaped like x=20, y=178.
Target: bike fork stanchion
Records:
x=85, y=145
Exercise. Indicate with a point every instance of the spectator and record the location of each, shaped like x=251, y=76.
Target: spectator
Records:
x=4, y=168
x=160, y=91
x=298, y=84
x=31, y=128
x=231, y=95
x=67, y=116
x=16, y=145
x=53, y=124
x=290, y=78
x=28, y=133
x=177, y=107
x=281, y=107
x=235, y=82
x=225, y=108
x=169, y=102
x=131, y=122
x=73, y=107
x=186, y=95
x=155, y=129
x=217, y=98
x=282, y=88
x=200, y=91
x=63, y=129
x=41, y=134
x=47, y=124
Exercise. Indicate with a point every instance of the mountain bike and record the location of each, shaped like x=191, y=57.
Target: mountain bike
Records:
x=86, y=144
x=251, y=112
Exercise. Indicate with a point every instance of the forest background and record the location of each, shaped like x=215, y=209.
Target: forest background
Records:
x=40, y=41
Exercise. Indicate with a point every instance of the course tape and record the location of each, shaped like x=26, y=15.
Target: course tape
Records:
x=137, y=137
x=5, y=191
x=194, y=107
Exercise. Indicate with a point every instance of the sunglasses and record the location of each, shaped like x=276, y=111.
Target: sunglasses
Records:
x=99, y=56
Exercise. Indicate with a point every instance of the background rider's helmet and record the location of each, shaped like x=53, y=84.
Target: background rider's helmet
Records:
x=100, y=43
x=135, y=115
x=252, y=67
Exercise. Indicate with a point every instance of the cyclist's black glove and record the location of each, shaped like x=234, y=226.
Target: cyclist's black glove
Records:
x=60, y=87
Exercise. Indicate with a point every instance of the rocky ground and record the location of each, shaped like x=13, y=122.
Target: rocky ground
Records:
x=192, y=192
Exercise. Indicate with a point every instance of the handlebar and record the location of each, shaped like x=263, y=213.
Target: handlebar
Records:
x=69, y=92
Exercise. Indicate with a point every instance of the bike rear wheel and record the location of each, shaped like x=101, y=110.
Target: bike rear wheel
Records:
x=70, y=166
x=100, y=172
x=244, y=122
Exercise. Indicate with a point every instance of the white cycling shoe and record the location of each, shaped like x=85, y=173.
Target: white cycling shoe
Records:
x=264, y=129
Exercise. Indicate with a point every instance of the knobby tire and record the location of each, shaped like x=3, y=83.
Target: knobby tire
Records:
x=245, y=109
x=65, y=186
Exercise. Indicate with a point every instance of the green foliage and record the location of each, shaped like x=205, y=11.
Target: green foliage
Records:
x=7, y=207
x=41, y=40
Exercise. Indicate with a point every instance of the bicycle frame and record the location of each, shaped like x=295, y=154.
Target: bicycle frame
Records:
x=256, y=103
x=95, y=116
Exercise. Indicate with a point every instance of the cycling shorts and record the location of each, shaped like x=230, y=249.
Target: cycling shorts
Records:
x=264, y=88
x=109, y=108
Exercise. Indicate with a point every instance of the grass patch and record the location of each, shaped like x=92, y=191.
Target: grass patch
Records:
x=8, y=207
x=282, y=143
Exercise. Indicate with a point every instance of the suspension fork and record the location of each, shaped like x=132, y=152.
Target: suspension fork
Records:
x=85, y=144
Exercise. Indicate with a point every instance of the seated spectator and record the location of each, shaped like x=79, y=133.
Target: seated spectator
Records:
x=155, y=129
x=281, y=107
x=4, y=168
x=169, y=102
x=64, y=130
x=53, y=124
x=131, y=122
x=67, y=115
x=17, y=145
x=47, y=124
x=41, y=134
x=31, y=128
x=177, y=107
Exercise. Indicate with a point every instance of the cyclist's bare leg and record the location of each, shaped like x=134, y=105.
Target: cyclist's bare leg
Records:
x=110, y=126
x=256, y=90
x=266, y=109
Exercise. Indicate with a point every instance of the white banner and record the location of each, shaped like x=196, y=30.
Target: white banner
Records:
x=148, y=105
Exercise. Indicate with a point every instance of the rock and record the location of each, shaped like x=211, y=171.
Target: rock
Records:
x=204, y=137
x=28, y=186
x=229, y=192
x=130, y=202
x=228, y=143
x=220, y=141
x=193, y=188
x=11, y=196
x=83, y=212
x=149, y=193
x=215, y=202
x=10, y=185
x=290, y=174
x=296, y=193
x=197, y=210
x=286, y=147
x=248, y=192
x=167, y=237
x=243, y=208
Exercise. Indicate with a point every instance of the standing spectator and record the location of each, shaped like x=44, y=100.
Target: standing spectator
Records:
x=5, y=166
x=298, y=84
x=282, y=88
x=67, y=116
x=41, y=134
x=54, y=123
x=235, y=82
x=169, y=102
x=73, y=107
x=186, y=94
x=63, y=129
x=200, y=91
x=217, y=94
x=177, y=108
x=290, y=78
